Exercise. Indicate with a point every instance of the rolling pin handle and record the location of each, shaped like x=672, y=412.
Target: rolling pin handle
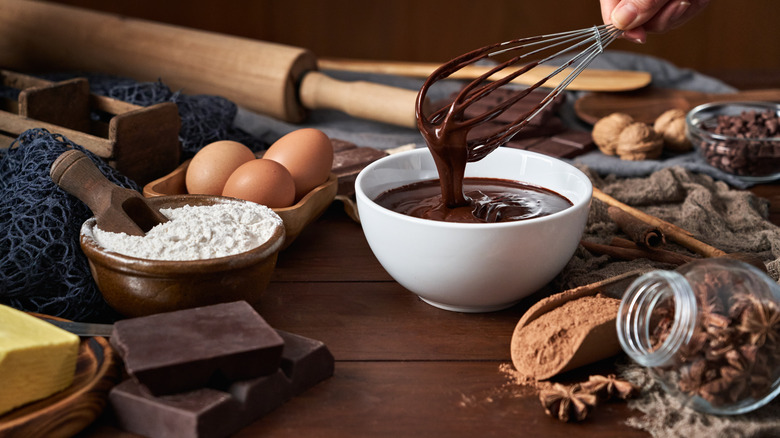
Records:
x=360, y=99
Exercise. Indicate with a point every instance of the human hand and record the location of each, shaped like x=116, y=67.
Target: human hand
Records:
x=638, y=17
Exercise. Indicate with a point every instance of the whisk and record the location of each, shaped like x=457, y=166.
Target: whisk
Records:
x=449, y=127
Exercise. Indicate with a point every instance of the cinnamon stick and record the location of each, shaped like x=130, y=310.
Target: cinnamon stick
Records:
x=673, y=232
x=636, y=229
x=633, y=252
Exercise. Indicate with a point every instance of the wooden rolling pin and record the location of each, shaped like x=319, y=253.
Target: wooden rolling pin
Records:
x=272, y=79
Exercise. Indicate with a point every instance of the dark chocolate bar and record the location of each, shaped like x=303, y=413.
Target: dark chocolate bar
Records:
x=178, y=351
x=520, y=110
x=544, y=133
x=348, y=160
x=202, y=412
x=215, y=413
x=566, y=144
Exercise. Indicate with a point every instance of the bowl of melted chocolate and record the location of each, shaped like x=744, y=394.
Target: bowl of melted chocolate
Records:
x=483, y=241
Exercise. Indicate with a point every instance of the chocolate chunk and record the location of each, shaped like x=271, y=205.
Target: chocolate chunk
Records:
x=182, y=350
x=210, y=412
x=553, y=148
x=199, y=413
x=520, y=110
x=340, y=145
x=748, y=150
x=553, y=126
x=348, y=160
x=305, y=361
x=566, y=144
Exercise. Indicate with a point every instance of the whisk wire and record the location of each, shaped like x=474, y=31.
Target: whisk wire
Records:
x=590, y=42
x=598, y=37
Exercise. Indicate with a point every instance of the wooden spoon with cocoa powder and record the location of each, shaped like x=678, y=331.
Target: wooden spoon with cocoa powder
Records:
x=570, y=329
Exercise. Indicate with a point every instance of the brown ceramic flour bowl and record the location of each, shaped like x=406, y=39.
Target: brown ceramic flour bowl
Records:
x=137, y=287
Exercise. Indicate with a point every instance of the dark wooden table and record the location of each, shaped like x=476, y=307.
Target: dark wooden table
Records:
x=404, y=368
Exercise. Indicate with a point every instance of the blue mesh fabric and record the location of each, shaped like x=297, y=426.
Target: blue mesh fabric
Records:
x=42, y=267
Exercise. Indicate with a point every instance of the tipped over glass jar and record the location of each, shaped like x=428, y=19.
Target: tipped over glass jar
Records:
x=708, y=332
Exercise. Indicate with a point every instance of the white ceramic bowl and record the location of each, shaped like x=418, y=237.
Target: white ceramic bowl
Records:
x=473, y=267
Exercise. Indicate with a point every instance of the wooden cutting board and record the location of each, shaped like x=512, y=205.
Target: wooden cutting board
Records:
x=647, y=104
x=66, y=413
x=589, y=79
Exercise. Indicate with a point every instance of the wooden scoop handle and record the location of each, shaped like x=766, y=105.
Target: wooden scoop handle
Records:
x=75, y=173
x=116, y=208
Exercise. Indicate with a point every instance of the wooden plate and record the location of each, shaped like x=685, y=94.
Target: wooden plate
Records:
x=647, y=104
x=68, y=412
x=295, y=217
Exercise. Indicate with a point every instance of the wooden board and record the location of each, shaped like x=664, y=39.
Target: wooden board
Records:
x=647, y=104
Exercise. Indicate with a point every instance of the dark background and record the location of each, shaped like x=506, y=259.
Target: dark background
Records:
x=729, y=37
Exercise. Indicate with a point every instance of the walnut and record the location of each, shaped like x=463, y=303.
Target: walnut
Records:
x=607, y=129
x=671, y=125
x=639, y=141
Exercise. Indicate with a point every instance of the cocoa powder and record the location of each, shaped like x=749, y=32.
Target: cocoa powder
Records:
x=579, y=332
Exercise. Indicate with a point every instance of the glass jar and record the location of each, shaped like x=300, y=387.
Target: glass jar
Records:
x=708, y=332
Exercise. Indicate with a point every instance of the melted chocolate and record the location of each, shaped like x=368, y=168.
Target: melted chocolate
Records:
x=488, y=200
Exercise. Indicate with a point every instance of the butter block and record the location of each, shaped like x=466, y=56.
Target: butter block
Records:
x=37, y=359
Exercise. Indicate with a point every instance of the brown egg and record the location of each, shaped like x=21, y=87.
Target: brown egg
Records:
x=211, y=166
x=262, y=181
x=308, y=154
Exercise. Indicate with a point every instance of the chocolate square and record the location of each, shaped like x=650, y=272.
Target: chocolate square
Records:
x=206, y=412
x=178, y=351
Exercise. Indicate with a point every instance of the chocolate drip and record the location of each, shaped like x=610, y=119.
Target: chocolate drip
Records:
x=446, y=131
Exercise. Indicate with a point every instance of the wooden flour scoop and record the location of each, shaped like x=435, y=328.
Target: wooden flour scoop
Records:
x=116, y=209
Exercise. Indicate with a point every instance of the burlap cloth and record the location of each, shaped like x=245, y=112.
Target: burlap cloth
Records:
x=729, y=219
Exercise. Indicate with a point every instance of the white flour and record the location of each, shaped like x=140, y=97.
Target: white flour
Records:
x=196, y=233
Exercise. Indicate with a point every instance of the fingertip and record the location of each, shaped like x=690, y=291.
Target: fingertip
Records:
x=637, y=35
x=624, y=16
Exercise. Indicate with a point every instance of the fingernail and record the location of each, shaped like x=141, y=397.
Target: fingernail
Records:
x=679, y=10
x=624, y=15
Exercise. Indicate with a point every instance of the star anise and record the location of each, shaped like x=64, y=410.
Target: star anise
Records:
x=708, y=298
x=607, y=387
x=567, y=403
x=720, y=335
x=692, y=375
x=693, y=348
x=761, y=322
